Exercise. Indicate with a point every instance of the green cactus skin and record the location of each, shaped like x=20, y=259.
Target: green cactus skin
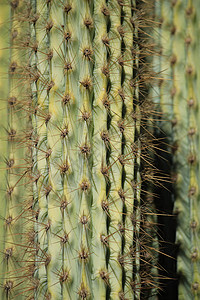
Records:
x=86, y=225
x=179, y=33
x=4, y=55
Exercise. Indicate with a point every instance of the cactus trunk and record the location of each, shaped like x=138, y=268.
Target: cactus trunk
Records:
x=84, y=155
x=179, y=94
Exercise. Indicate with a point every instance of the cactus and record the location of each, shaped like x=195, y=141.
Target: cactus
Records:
x=80, y=174
x=179, y=32
x=80, y=215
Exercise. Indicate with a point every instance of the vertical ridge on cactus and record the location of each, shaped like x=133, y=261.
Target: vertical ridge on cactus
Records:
x=4, y=161
x=101, y=148
x=84, y=213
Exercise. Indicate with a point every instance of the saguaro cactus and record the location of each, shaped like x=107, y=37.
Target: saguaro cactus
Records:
x=79, y=220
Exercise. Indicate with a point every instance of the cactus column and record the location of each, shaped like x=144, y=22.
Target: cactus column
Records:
x=89, y=172
x=179, y=32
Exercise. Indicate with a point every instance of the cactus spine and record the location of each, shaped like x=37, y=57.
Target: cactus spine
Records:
x=85, y=221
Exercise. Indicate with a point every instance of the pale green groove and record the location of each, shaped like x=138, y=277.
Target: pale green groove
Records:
x=44, y=150
x=127, y=195
x=55, y=140
x=115, y=147
x=100, y=148
x=33, y=242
